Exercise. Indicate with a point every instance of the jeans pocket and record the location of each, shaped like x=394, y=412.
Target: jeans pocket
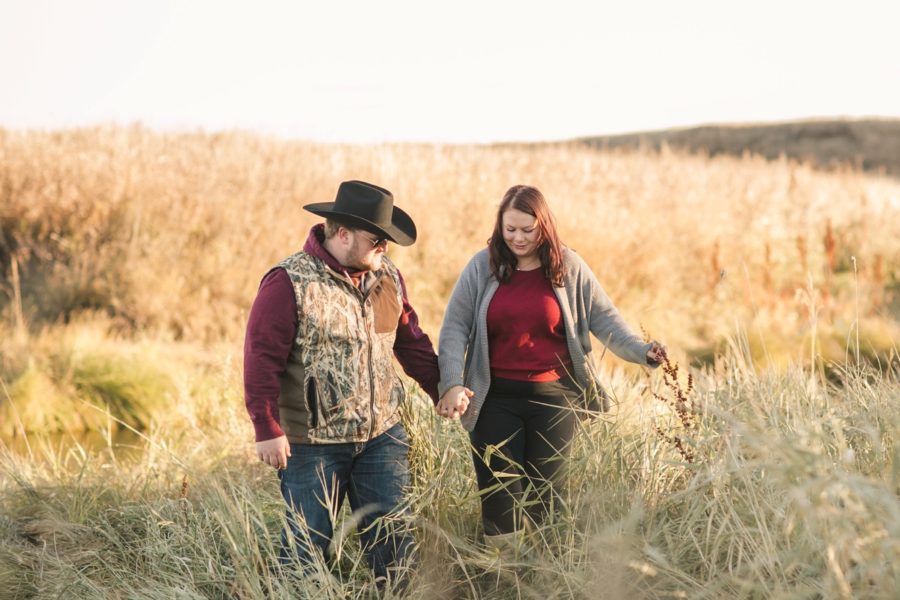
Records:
x=398, y=433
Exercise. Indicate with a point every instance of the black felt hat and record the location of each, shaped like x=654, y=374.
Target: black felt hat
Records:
x=369, y=207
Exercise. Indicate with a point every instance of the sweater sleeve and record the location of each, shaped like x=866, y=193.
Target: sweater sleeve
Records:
x=459, y=318
x=271, y=330
x=414, y=350
x=609, y=327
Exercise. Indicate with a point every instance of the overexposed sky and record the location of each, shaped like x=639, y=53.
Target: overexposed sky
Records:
x=451, y=71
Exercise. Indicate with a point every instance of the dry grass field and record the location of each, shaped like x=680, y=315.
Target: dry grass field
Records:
x=129, y=260
x=170, y=234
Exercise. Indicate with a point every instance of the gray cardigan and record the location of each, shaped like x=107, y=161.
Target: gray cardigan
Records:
x=463, y=356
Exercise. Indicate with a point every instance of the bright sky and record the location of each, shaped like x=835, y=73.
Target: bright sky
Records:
x=452, y=71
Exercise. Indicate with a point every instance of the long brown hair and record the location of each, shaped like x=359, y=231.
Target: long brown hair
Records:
x=531, y=201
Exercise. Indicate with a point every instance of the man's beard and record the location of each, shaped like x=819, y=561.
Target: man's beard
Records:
x=358, y=265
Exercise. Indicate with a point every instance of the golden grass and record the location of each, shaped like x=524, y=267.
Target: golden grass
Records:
x=130, y=260
x=792, y=492
x=171, y=233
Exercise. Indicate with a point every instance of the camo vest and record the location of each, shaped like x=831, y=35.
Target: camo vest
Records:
x=340, y=384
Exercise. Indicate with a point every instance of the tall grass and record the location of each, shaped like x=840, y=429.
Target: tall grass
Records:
x=172, y=232
x=793, y=492
x=129, y=260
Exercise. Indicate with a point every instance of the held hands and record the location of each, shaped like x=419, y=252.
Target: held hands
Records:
x=274, y=452
x=454, y=402
x=656, y=354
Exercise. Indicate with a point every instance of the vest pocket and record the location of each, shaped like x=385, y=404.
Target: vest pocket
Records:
x=312, y=403
x=334, y=405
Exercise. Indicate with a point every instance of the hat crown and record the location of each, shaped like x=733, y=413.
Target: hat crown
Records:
x=366, y=206
x=366, y=201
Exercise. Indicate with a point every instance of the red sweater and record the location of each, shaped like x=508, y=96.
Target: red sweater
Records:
x=272, y=328
x=526, y=331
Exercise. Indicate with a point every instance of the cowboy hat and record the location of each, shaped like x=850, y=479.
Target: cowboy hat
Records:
x=366, y=206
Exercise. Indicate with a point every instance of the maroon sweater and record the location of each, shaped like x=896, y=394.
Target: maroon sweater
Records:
x=526, y=331
x=272, y=329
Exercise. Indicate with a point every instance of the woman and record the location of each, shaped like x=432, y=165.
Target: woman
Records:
x=515, y=358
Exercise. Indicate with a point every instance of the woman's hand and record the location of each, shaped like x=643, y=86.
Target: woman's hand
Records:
x=454, y=402
x=656, y=354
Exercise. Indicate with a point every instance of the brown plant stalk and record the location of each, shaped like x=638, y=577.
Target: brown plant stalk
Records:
x=680, y=400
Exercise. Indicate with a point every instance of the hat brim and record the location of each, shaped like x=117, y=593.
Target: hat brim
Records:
x=401, y=231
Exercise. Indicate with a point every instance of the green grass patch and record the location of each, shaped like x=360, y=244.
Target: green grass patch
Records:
x=80, y=378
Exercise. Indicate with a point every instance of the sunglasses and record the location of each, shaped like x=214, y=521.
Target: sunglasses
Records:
x=381, y=242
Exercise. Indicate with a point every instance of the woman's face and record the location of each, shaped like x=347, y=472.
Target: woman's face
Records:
x=521, y=233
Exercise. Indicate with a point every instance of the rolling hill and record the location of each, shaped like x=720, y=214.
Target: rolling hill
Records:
x=871, y=144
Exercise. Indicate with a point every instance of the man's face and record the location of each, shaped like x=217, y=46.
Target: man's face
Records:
x=365, y=251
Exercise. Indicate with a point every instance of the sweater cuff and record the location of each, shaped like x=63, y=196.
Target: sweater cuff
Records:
x=448, y=382
x=646, y=361
x=267, y=429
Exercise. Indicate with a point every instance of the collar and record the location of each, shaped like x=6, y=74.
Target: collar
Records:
x=314, y=246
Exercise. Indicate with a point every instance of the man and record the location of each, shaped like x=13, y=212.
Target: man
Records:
x=319, y=380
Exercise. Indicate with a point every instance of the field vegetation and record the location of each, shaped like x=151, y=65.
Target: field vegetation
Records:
x=129, y=260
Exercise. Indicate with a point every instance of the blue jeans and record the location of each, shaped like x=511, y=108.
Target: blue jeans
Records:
x=374, y=474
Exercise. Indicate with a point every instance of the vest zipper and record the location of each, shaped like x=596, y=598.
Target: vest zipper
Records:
x=365, y=296
x=371, y=375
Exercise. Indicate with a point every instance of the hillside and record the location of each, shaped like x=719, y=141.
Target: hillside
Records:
x=873, y=145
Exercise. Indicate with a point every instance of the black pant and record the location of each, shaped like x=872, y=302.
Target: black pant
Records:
x=519, y=446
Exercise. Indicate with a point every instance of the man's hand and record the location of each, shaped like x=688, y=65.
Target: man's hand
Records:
x=274, y=452
x=656, y=354
x=454, y=402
